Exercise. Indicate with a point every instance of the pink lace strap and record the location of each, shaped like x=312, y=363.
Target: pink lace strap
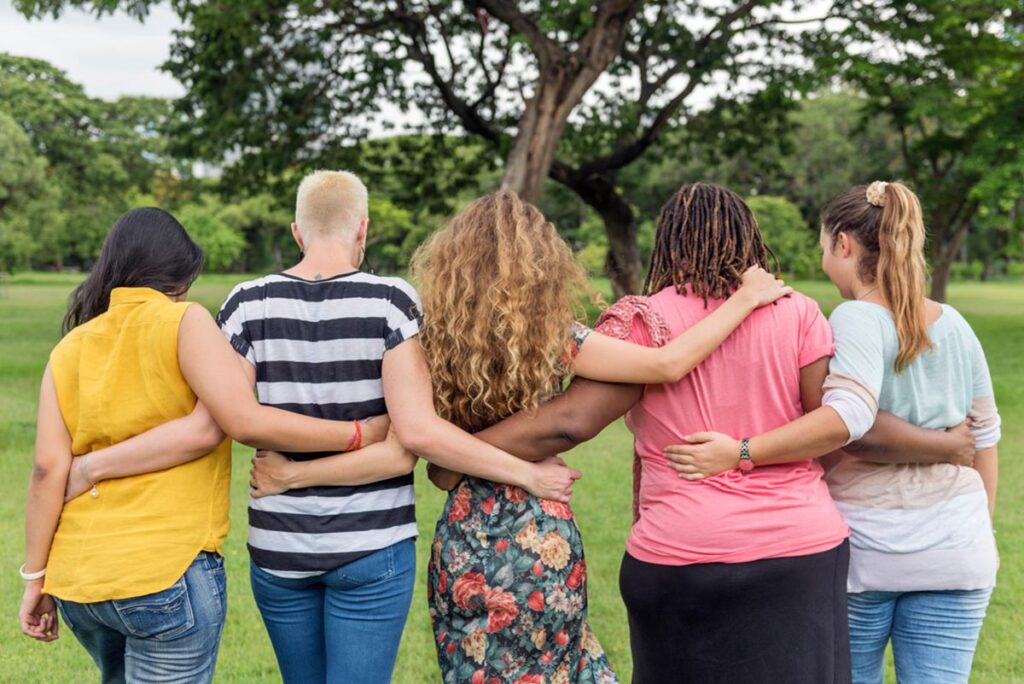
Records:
x=617, y=321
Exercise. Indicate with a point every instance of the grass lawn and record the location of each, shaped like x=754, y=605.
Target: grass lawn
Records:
x=31, y=307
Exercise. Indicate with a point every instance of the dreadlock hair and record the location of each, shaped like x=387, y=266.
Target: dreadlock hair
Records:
x=706, y=238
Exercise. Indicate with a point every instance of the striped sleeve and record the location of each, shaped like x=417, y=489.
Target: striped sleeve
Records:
x=404, y=314
x=985, y=420
x=231, y=319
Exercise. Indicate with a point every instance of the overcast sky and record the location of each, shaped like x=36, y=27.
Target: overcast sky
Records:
x=112, y=56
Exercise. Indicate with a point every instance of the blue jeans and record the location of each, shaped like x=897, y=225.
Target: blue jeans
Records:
x=169, y=636
x=343, y=625
x=933, y=634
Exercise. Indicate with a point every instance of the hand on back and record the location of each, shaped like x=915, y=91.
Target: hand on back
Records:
x=552, y=479
x=965, y=450
x=762, y=286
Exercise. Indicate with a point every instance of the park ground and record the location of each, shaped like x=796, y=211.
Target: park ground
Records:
x=31, y=307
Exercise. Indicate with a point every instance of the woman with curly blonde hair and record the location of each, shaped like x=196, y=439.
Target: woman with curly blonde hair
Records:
x=507, y=577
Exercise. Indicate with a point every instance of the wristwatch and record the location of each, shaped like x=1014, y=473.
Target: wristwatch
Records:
x=745, y=465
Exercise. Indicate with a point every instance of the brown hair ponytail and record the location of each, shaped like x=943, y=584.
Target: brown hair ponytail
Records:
x=886, y=219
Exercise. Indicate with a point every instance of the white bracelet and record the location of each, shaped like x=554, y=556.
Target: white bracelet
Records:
x=29, y=576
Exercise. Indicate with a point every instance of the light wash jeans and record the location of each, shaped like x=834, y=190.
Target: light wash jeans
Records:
x=169, y=636
x=343, y=625
x=934, y=634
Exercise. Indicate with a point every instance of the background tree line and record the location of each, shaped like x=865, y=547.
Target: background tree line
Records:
x=596, y=110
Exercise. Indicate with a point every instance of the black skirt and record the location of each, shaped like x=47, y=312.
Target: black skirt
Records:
x=772, y=621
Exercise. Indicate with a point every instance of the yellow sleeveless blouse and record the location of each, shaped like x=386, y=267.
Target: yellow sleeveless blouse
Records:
x=118, y=376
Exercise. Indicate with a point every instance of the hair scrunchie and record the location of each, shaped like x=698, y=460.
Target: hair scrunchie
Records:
x=875, y=193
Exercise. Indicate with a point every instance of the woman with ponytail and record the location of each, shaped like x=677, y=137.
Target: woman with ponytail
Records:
x=923, y=558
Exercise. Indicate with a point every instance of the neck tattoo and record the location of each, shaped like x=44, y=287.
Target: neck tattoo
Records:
x=318, y=277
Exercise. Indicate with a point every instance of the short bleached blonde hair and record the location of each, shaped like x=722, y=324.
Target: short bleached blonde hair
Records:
x=330, y=203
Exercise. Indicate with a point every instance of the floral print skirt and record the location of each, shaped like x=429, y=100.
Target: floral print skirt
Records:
x=507, y=587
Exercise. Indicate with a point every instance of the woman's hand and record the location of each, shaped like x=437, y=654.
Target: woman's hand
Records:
x=762, y=287
x=271, y=473
x=552, y=479
x=443, y=478
x=375, y=429
x=964, y=451
x=38, y=613
x=79, y=480
x=706, y=454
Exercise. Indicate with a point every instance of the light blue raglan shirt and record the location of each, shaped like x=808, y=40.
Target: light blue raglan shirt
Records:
x=913, y=527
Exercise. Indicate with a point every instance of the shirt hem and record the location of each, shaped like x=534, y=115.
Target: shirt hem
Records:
x=778, y=551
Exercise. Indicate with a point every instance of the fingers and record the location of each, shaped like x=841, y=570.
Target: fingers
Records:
x=700, y=437
x=575, y=474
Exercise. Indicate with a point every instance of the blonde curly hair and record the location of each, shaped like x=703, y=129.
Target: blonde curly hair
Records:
x=500, y=292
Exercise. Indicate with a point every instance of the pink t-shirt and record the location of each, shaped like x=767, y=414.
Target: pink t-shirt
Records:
x=749, y=385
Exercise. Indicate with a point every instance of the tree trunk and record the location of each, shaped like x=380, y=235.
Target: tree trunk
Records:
x=946, y=243
x=540, y=128
x=623, y=264
x=942, y=264
x=531, y=155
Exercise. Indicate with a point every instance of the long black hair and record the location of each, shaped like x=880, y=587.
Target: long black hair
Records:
x=147, y=247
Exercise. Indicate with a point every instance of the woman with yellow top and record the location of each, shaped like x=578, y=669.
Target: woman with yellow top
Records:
x=135, y=567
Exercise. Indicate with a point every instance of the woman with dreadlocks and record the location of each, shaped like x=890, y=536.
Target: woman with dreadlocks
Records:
x=923, y=559
x=740, y=577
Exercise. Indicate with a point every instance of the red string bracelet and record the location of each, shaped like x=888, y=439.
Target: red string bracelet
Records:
x=357, y=438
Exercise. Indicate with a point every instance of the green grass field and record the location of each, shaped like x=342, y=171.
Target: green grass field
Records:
x=31, y=307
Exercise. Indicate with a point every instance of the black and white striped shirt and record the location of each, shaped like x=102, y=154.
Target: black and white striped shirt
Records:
x=318, y=349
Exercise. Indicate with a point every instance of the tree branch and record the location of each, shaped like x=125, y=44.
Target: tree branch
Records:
x=547, y=50
x=415, y=29
x=627, y=153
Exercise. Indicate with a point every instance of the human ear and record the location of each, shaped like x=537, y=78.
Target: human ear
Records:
x=297, y=236
x=364, y=226
x=845, y=245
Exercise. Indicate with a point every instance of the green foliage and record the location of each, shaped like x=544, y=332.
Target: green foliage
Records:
x=222, y=243
x=98, y=153
x=29, y=219
x=951, y=84
x=788, y=235
x=392, y=237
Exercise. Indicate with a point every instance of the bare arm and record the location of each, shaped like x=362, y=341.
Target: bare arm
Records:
x=43, y=508
x=167, y=445
x=212, y=370
x=612, y=360
x=410, y=400
x=818, y=432
x=273, y=473
x=986, y=461
x=894, y=440
x=558, y=425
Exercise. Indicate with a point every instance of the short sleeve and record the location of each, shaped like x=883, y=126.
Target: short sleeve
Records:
x=231, y=319
x=982, y=380
x=634, y=319
x=984, y=414
x=815, y=334
x=404, y=315
x=859, y=346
